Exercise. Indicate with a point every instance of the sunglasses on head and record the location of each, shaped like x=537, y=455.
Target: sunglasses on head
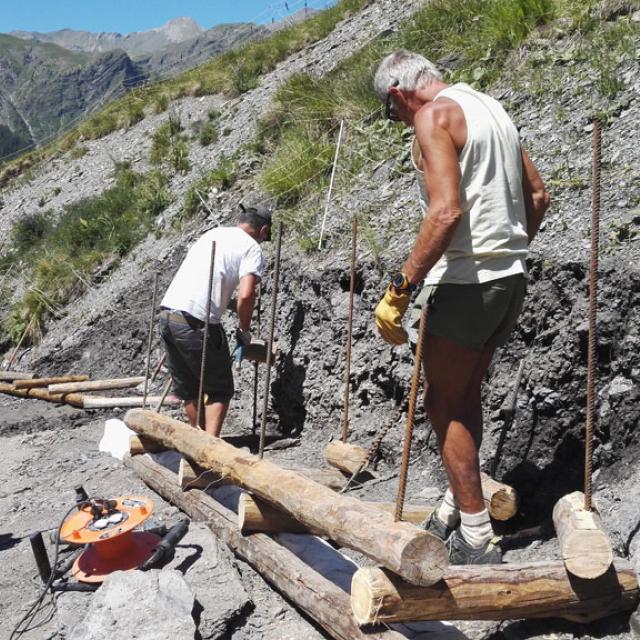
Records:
x=388, y=108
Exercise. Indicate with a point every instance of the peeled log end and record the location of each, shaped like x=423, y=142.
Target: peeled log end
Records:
x=500, y=499
x=371, y=592
x=424, y=560
x=349, y=458
x=584, y=542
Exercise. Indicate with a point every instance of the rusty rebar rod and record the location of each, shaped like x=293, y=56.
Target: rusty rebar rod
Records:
x=413, y=396
x=254, y=418
x=347, y=363
x=592, y=356
x=272, y=328
x=205, y=339
x=152, y=317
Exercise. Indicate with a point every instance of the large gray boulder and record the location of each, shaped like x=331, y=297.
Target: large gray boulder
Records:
x=137, y=605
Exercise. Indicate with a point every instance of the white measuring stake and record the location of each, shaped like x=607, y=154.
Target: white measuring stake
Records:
x=333, y=175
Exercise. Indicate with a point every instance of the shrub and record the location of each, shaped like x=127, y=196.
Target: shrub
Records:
x=208, y=134
x=223, y=177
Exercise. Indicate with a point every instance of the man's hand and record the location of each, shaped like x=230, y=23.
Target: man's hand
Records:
x=389, y=313
x=243, y=337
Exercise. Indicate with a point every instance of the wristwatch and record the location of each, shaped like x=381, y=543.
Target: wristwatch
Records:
x=401, y=283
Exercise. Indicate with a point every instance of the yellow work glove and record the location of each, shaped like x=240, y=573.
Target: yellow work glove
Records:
x=389, y=314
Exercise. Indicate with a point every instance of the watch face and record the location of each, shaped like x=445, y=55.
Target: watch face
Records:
x=398, y=281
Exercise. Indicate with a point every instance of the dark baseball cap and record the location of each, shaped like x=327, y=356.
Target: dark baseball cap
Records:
x=260, y=210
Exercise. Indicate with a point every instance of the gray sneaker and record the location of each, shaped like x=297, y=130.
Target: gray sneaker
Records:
x=461, y=552
x=435, y=526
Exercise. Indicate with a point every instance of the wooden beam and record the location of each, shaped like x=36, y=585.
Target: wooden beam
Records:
x=74, y=399
x=139, y=445
x=344, y=456
x=10, y=376
x=418, y=556
x=494, y=592
x=257, y=352
x=100, y=402
x=500, y=499
x=45, y=382
x=584, y=543
x=318, y=597
x=255, y=515
x=96, y=385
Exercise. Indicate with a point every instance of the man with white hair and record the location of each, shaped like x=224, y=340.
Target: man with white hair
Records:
x=485, y=202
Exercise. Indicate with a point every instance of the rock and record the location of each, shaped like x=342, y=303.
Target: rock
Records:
x=210, y=571
x=145, y=605
x=634, y=623
x=620, y=386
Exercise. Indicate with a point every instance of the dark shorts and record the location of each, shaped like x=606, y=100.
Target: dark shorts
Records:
x=183, y=336
x=473, y=315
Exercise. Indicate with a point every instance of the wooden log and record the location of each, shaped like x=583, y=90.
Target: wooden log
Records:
x=416, y=555
x=318, y=597
x=45, y=382
x=139, y=445
x=100, y=402
x=255, y=515
x=75, y=399
x=584, y=542
x=494, y=592
x=95, y=385
x=344, y=456
x=257, y=352
x=192, y=476
x=501, y=499
x=10, y=376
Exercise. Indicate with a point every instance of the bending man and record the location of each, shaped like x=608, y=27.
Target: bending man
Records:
x=485, y=202
x=238, y=264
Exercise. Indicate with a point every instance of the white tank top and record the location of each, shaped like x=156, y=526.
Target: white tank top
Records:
x=491, y=240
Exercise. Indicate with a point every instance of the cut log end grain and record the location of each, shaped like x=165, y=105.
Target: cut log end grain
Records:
x=584, y=542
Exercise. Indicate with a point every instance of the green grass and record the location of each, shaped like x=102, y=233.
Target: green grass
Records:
x=197, y=197
x=169, y=146
x=298, y=136
x=61, y=257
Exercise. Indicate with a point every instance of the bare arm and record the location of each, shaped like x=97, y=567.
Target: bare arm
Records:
x=246, y=300
x=442, y=177
x=536, y=197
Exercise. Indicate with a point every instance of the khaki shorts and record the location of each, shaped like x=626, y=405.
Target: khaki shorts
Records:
x=472, y=315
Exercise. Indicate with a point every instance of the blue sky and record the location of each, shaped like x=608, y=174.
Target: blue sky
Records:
x=125, y=16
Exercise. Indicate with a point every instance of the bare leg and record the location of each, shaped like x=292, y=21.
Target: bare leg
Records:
x=191, y=409
x=212, y=417
x=452, y=401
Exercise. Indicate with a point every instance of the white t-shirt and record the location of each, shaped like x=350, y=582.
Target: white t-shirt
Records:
x=237, y=255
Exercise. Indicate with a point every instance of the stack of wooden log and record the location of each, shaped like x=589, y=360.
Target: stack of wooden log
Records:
x=75, y=390
x=414, y=581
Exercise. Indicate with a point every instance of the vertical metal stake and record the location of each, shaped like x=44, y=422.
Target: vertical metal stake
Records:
x=152, y=316
x=254, y=418
x=272, y=326
x=205, y=339
x=408, y=433
x=593, y=308
x=347, y=368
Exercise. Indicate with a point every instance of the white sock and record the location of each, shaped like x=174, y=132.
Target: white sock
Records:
x=448, y=511
x=476, y=528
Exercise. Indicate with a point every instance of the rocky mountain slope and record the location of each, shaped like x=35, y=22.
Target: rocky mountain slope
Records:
x=49, y=81
x=553, y=86
x=139, y=43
